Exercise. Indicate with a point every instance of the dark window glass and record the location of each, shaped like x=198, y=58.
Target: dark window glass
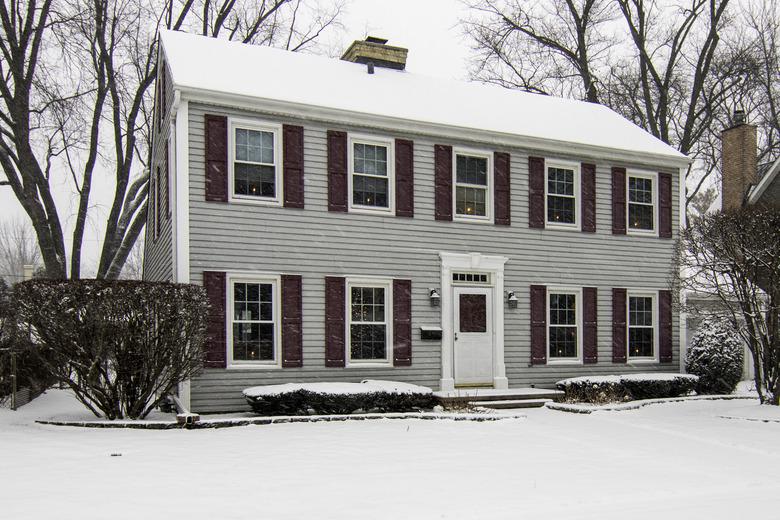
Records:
x=368, y=342
x=255, y=180
x=470, y=201
x=368, y=331
x=253, y=327
x=640, y=326
x=254, y=167
x=471, y=170
x=370, y=182
x=473, y=313
x=560, y=196
x=640, y=203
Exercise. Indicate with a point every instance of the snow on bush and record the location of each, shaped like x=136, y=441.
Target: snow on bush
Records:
x=369, y=396
x=628, y=387
x=716, y=356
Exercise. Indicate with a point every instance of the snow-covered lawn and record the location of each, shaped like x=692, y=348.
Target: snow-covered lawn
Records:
x=680, y=460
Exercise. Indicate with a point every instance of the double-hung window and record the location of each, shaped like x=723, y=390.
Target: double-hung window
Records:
x=562, y=184
x=472, y=186
x=254, y=328
x=641, y=326
x=563, y=329
x=255, y=162
x=642, y=202
x=371, y=175
x=369, y=321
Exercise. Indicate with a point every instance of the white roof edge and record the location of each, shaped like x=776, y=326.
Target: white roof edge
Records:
x=343, y=116
x=764, y=183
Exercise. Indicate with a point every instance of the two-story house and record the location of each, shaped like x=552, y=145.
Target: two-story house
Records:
x=352, y=220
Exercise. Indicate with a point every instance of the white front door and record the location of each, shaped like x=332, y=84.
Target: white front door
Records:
x=473, y=335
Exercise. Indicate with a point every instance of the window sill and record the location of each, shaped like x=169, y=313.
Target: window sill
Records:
x=473, y=220
x=562, y=227
x=564, y=361
x=360, y=210
x=258, y=201
x=642, y=361
x=369, y=365
x=642, y=233
x=248, y=366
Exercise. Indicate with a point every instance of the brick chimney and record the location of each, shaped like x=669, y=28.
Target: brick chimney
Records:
x=375, y=51
x=740, y=168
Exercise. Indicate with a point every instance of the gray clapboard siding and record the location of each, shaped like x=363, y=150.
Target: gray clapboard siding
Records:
x=314, y=243
x=158, y=251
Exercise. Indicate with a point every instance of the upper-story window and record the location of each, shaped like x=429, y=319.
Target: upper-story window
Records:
x=642, y=202
x=562, y=186
x=641, y=326
x=371, y=175
x=473, y=199
x=255, y=162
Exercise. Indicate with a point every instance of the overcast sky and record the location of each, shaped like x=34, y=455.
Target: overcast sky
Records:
x=428, y=28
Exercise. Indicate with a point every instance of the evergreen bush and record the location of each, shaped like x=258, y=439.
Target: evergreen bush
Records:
x=716, y=355
x=629, y=387
x=305, y=402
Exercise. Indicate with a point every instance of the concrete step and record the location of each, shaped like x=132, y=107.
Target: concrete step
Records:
x=518, y=403
x=478, y=395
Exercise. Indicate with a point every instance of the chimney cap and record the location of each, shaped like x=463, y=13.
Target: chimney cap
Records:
x=376, y=39
x=740, y=118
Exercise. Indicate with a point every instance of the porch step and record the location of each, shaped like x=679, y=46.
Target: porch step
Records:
x=513, y=403
x=482, y=395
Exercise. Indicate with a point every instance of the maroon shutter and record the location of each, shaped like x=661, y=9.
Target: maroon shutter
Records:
x=402, y=323
x=665, y=326
x=335, y=328
x=337, y=171
x=536, y=192
x=664, y=205
x=501, y=166
x=618, y=201
x=214, y=283
x=216, y=158
x=292, y=321
x=590, y=353
x=158, y=197
x=443, y=190
x=293, y=166
x=618, y=325
x=167, y=179
x=588, y=173
x=538, y=324
x=404, y=178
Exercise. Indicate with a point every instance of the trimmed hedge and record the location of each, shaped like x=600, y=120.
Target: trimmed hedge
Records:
x=305, y=402
x=622, y=388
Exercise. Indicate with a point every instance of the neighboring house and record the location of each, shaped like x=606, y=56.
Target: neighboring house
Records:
x=351, y=220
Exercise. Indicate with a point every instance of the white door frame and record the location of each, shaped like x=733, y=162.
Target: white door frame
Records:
x=471, y=262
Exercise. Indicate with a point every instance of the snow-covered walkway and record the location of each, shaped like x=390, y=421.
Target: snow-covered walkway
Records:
x=681, y=460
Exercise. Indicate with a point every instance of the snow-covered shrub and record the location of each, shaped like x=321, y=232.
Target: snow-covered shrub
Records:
x=120, y=346
x=716, y=355
x=629, y=387
x=339, y=398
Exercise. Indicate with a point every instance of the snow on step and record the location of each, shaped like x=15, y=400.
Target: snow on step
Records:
x=492, y=394
x=519, y=403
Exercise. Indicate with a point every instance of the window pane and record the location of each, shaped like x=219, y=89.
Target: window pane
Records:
x=254, y=146
x=640, y=342
x=367, y=342
x=255, y=180
x=563, y=342
x=560, y=181
x=470, y=201
x=253, y=341
x=640, y=216
x=563, y=309
x=560, y=209
x=640, y=189
x=640, y=311
x=471, y=170
x=369, y=191
x=472, y=311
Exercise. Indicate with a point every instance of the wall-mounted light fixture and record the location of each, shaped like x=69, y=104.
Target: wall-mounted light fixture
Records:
x=434, y=296
x=511, y=300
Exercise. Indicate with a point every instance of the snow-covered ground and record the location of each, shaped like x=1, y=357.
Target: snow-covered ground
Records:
x=680, y=460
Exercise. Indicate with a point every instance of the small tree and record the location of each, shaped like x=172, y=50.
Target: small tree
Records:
x=735, y=256
x=119, y=346
x=716, y=356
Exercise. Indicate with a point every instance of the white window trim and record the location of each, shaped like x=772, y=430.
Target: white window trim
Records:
x=264, y=126
x=488, y=218
x=645, y=175
x=387, y=285
x=577, y=292
x=568, y=165
x=374, y=141
x=644, y=359
x=273, y=279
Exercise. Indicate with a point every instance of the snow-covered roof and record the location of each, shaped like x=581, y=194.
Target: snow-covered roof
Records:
x=209, y=65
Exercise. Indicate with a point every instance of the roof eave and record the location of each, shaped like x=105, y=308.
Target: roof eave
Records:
x=759, y=189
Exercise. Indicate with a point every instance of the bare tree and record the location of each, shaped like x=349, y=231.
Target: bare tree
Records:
x=18, y=248
x=75, y=86
x=735, y=256
x=673, y=68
